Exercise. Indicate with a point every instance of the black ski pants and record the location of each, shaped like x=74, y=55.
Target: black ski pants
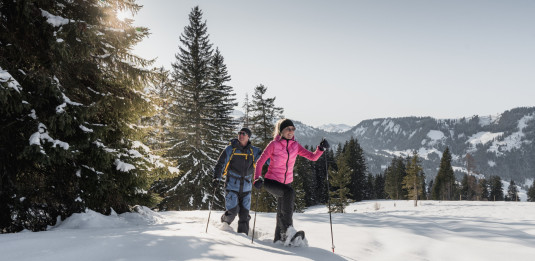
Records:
x=285, y=195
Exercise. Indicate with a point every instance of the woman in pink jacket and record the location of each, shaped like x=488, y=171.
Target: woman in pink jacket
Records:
x=282, y=152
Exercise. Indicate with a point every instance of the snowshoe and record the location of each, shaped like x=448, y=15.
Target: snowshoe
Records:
x=295, y=238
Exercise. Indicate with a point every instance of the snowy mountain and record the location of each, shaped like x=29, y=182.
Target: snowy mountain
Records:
x=501, y=144
x=334, y=127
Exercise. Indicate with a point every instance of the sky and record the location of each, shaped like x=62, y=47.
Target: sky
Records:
x=368, y=230
x=346, y=61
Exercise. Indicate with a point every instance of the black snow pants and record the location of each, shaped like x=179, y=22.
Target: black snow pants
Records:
x=285, y=195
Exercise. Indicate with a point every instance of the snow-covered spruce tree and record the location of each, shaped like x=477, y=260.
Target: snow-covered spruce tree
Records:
x=201, y=116
x=158, y=126
x=264, y=114
x=70, y=101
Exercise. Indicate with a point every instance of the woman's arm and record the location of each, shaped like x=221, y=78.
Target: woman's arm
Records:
x=313, y=156
x=263, y=158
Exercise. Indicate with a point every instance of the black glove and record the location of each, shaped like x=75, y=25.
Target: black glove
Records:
x=324, y=145
x=258, y=183
x=215, y=182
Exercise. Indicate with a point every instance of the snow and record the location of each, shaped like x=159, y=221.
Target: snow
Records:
x=483, y=137
x=369, y=230
x=42, y=134
x=435, y=135
x=334, y=127
x=515, y=140
x=488, y=120
x=123, y=166
x=11, y=82
x=55, y=20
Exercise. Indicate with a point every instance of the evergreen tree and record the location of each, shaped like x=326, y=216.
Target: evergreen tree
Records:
x=246, y=111
x=369, y=192
x=299, y=187
x=339, y=181
x=394, y=175
x=496, y=189
x=70, y=86
x=483, y=189
x=444, y=185
x=469, y=187
x=264, y=114
x=201, y=107
x=379, y=186
x=531, y=192
x=308, y=177
x=353, y=155
x=321, y=174
x=412, y=181
x=512, y=192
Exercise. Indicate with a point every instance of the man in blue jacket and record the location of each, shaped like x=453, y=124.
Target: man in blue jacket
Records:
x=237, y=163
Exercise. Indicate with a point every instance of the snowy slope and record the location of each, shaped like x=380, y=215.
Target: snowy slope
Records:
x=370, y=230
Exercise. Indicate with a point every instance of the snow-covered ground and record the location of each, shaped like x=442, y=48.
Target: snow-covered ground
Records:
x=370, y=230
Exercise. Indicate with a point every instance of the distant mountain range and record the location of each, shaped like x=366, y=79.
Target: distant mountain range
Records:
x=502, y=144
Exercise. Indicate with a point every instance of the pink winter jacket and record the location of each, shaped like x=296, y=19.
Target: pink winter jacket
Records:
x=283, y=153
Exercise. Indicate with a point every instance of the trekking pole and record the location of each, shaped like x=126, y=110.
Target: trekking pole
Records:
x=256, y=208
x=210, y=206
x=329, y=201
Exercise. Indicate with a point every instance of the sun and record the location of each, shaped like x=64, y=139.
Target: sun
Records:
x=123, y=14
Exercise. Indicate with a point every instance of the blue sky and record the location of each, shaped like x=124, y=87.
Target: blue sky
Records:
x=348, y=61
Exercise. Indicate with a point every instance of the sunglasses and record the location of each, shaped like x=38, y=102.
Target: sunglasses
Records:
x=290, y=128
x=243, y=133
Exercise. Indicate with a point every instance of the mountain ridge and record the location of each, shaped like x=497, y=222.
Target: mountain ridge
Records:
x=501, y=144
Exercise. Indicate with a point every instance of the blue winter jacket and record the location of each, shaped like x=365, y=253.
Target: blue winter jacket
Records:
x=240, y=169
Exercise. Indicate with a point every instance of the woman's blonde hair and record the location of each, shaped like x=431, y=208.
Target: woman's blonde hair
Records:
x=276, y=131
x=281, y=124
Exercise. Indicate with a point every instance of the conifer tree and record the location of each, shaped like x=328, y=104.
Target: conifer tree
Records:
x=468, y=187
x=444, y=185
x=483, y=189
x=299, y=188
x=353, y=155
x=369, y=192
x=496, y=189
x=512, y=192
x=308, y=177
x=412, y=181
x=531, y=192
x=321, y=174
x=395, y=173
x=264, y=114
x=246, y=111
x=201, y=118
x=72, y=99
x=379, y=186
x=339, y=183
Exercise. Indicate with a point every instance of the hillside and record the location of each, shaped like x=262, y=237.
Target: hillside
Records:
x=500, y=144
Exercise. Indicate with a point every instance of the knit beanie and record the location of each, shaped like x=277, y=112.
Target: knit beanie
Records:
x=285, y=123
x=248, y=131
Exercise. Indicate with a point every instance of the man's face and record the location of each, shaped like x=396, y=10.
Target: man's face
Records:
x=242, y=137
